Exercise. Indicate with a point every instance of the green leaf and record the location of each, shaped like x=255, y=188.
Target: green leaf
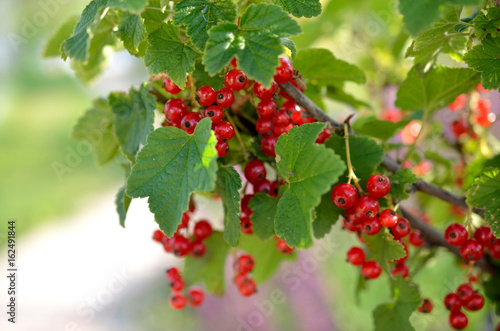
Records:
x=290, y=47
x=310, y=170
x=488, y=24
x=77, y=46
x=366, y=154
x=203, y=78
x=484, y=193
x=96, y=127
x=301, y=8
x=122, y=203
x=399, y=181
x=132, y=32
x=321, y=67
x=338, y=94
x=373, y=127
x=266, y=255
x=153, y=15
x=484, y=58
x=200, y=15
x=327, y=214
x=383, y=248
x=264, y=210
x=395, y=316
x=255, y=42
x=436, y=89
x=208, y=269
x=53, y=46
x=134, y=116
x=130, y=5
x=168, y=52
x=171, y=166
x=227, y=186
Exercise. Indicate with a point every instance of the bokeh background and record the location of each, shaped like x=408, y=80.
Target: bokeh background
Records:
x=79, y=270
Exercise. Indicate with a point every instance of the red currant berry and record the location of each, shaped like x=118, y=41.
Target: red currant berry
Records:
x=279, y=130
x=371, y=269
x=452, y=302
x=455, y=234
x=255, y=171
x=234, y=62
x=190, y=121
x=177, y=301
x=349, y=226
x=215, y=113
x=175, y=110
x=371, y=226
x=426, y=307
x=262, y=93
x=472, y=250
x=344, y=195
x=262, y=187
x=356, y=256
x=323, y=136
x=266, y=108
x=416, y=239
x=245, y=264
x=206, y=95
x=244, y=204
x=184, y=221
x=158, y=235
x=198, y=248
x=170, y=87
x=225, y=97
x=248, y=288
x=172, y=273
x=268, y=143
x=400, y=269
x=168, y=244
x=235, y=79
x=223, y=131
x=352, y=218
x=246, y=224
x=181, y=246
x=465, y=292
x=475, y=303
x=459, y=102
x=388, y=218
x=283, y=247
x=281, y=118
x=196, y=297
x=407, y=253
x=458, y=320
x=240, y=280
x=401, y=229
x=202, y=230
x=284, y=73
x=458, y=128
x=378, y=186
x=177, y=284
x=484, y=105
x=484, y=235
x=222, y=148
x=494, y=250
x=263, y=126
x=366, y=207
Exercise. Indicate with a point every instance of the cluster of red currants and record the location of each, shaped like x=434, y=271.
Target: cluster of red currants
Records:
x=177, y=299
x=369, y=269
x=466, y=297
x=473, y=249
x=242, y=267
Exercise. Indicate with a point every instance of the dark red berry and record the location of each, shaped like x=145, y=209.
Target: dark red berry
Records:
x=323, y=136
x=281, y=118
x=175, y=110
x=452, y=302
x=198, y=248
x=245, y=264
x=371, y=269
x=246, y=224
x=416, y=239
x=401, y=229
x=196, y=297
x=206, y=95
x=170, y=87
x=255, y=171
x=472, y=250
x=426, y=307
x=263, y=126
x=352, y=218
x=388, y=218
x=356, y=256
x=225, y=97
x=366, y=207
x=181, y=246
x=262, y=93
x=244, y=204
x=268, y=143
x=283, y=247
x=465, y=292
x=458, y=320
x=222, y=148
x=158, y=235
x=475, y=303
x=177, y=284
x=202, y=230
x=284, y=73
x=235, y=79
x=344, y=195
x=262, y=187
x=349, y=226
x=371, y=226
x=455, y=234
x=400, y=269
x=190, y=121
x=177, y=301
x=279, y=130
x=172, y=273
x=378, y=186
x=484, y=235
x=223, y=130
x=266, y=108
x=248, y=288
x=494, y=250
x=167, y=244
x=234, y=62
x=215, y=113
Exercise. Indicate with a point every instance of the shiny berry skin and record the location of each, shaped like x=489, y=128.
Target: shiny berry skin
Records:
x=190, y=121
x=366, y=207
x=181, y=246
x=266, y=108
x=458, y=320
x=378, y=186
x=175, y=109
x=215, y=113
x=401, y=229
x=400, y=269
x=426, y=307
x=349, y=226
x=202, y=230
x=172, y=273
x=279, y=130
x=484, y=235
x=388, y=218
x=262, y=93
x=235, y=79
x=255, y=171
x=455, y=234
x=323, y=136
x=268, y=143
x=170, y=87
x=452, y=302
x=177, y=284
x=281, y=118
x=245, y=264
x=344, y=195
x=472, y=250
x=263, y=126
x=177, y=301
x=416, y=239
x=206, y=95
x=352, y=218
x=494, y=250
x=283, y=247
x=475, y=303
x=195, y=297
x=158, y=236
x=223, y=130
x=248, y=288
x=356, y=256
x=465, y=292
x=222, y=148
x=198, y=248
x=284, y=73
x=371, y=226
x=246, y=224
x=371, y=270
x=225, y=97
x=262, y=187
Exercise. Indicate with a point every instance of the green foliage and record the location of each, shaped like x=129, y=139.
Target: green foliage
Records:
x=327, y=214
x=383, y=248
x=122, y=203
x=484, y=193
x=132, y=31
x=488, y=24
x=484, y=58
x=134, y=116
x=264, y=210
x=373, y=127
x=310, y=170
x=290, y=45
x=399, y=181
x=227, y=187
x=255, y=42
x=171, y=166
x=130, y=5
x=299, y=8
x=53, y=46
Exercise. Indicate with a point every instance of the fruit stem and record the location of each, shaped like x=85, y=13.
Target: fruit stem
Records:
x=352, y=175
x=192, y=95
x=237, y=133
x=468, y=222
